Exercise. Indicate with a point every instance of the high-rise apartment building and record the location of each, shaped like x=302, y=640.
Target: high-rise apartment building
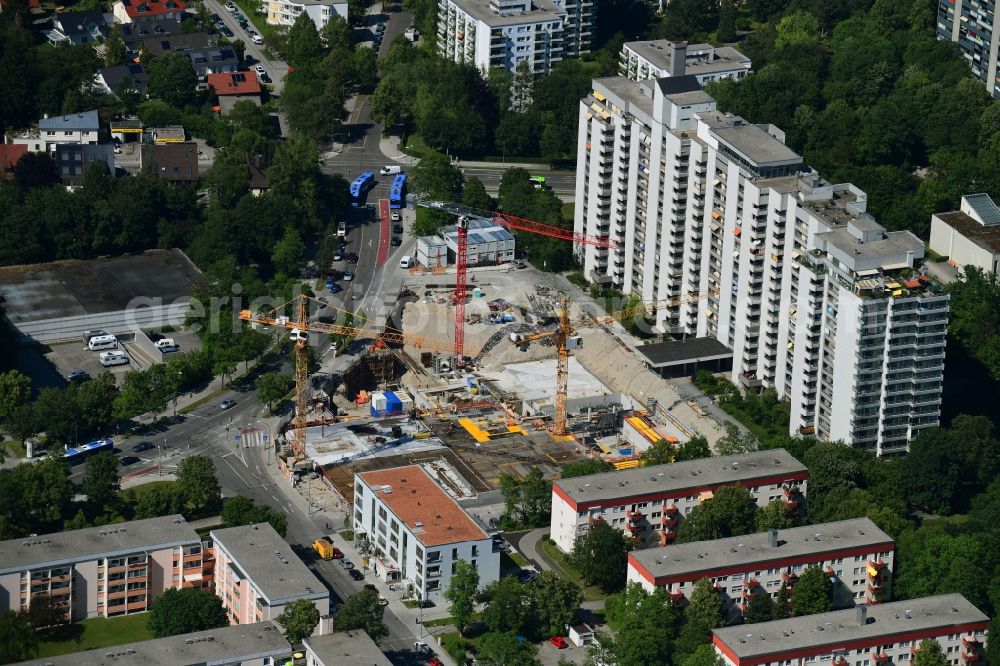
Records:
x=973, y=26
x=718, y=223
x=509, y=33
x=661, y=57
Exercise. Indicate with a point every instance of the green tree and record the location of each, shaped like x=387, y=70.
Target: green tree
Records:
x=19, y=640
x=362, y=611
x=812, y=593
x=732, y=511
x=705, y=655
x=992, y=647
x=585, y=468
x=299, y=619
x=171, y=78
x=527, y=500
x=101, y=481
x=289, y=253
x=782, y=603
x=601, y=555
x=497, y=649
x=181, y=611
x=775, y=515
x=736, y=442
x=273, y=386
x=799, y=27
x=156, y=500
x=706, y=605
x=304, y=46
x=44, y=612
x=114, y=47
x=694, y=449
x=555, y=600
x=197, y=485
x=509, y=605
x=241, y=510
x=435, y=177
x=15, y=390
x=760, y=607
x=726, y=32
x=462, y=594
x=929, y=653
x=694, y=634
x=474, y=195
x=336, y=33
x=660, y=452
x=646, y=625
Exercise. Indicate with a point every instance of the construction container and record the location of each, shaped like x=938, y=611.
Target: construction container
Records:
x=378, y=403
x=431, y=252
x=392, y=404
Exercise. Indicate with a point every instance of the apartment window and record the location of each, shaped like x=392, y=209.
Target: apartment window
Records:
x=454, y=553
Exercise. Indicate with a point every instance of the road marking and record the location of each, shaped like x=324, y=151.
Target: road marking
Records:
x=236, y=473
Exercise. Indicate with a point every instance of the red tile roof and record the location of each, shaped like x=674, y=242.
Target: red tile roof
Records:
x=141, y=8
x=416, y=498
x=234, y=83
x=10, y=154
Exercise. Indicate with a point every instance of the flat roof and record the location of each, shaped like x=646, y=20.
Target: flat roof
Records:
x=680, y=476
x=678, y=352
x=986, y=236
x=268, y=561
x=750, y=141
x=433, y=516
x=692, y=561
x=73, y=287
x=346, y=648
x=699, y=58
x=71, y=546
x=215, y=647
x=826, y=632
x=542, y=11
x=892, y=247
x=630, y=93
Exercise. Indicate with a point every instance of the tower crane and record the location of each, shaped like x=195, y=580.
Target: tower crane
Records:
x=300, y=327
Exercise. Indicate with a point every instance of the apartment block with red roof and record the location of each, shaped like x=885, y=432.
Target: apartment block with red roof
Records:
x=418, y=532
x=648, y=503
x=855, y=553
x=128, y=11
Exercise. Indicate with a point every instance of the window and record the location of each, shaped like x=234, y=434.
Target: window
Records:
x=454, y=553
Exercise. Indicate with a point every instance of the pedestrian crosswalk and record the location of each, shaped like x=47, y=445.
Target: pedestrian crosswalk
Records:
x=251, y=437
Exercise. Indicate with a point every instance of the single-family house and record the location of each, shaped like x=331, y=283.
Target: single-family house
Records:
x=258, y=179
x=131, y=76
x=72, y=128
x=78, y=28
x=73, y=160
x=233, y=87
x=213, y=61
x=175, y=162
x=129, y=11
x=152, y=43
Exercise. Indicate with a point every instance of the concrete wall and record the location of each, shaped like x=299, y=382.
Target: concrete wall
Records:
x=121, y=321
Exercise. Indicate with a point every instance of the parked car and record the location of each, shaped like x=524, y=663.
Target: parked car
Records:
x=397, y=228
x=330, y=284
x=346, y=563
x=259, y=69
x=143, y=446
x=559, y=642
x=338, y=255
x=348, y=276
x=421, y=648
x=356, y=575
x=78, y=376
x=129, y=460
x=382, y=601
x=264, y=78
x=231, y=8
x=396, y=241
x=257, y=39
x=395, y=216
x=352, y=257
x=227, y=31
x=227, y=404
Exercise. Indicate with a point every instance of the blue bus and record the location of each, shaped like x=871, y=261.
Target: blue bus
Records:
x=77, y=455
x=360, y=186
x=397, y=192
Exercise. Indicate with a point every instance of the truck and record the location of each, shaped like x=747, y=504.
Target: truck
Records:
x=326, y=550
x=390, y=170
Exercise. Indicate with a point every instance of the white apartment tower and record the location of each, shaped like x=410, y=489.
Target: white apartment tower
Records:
x=507, y=33
x=720, y=225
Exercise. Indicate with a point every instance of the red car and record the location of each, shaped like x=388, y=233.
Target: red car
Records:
x=559, y=642
x=338, y=554
x=434, y=661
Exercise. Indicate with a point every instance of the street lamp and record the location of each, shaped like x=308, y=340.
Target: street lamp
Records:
x=177, y=386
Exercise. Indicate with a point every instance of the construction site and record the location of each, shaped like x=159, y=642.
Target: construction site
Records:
x=474, y=379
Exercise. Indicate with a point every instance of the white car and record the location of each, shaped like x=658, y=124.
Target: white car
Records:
x=231, y=8
x=256, y=38
x=260, y=70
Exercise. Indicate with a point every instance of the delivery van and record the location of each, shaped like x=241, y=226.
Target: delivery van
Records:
x=391, y=170
x=406, y=261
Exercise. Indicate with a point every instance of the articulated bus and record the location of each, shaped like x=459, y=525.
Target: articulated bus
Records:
x=539, y=182
x=360, y=186
x=77, y=455
x=397, y=192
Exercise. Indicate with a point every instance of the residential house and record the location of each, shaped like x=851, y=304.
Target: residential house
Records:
x=129, y=11
x=10, y=153
x=969, y=236
x=660, y=58
x=144, y=44
x=130, y=76
x=233, y=87
x=345, y=648
x=258, y=182
x=284, y=12
x=77, y=28
x=175, y=162
x=72, y=128
x=73, y=160
x=213, y=61
x=257, y=574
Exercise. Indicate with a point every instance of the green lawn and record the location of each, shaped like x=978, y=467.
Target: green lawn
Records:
x=456, y=646
x=513, y=560
x=347, y=535
x=558, y=561
x=13, y=448
x=416, y=147
x=95, y=633
x=440, y=622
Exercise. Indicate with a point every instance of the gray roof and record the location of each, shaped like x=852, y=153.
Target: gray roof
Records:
x=215, y=647
x=346, y=648
x=630, y=94
x=751, y=551
x=986, y=236
x=542, y=11
x=826, y=632
x=86, y=120
x=750, y=141
x=268, y=561
x=118, y=74
x=673, y=477
x=71, y=546
x=884, y=252
x=676, y=352
x=699, y=58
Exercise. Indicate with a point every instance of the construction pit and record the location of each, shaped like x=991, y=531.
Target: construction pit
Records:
x=495, y=415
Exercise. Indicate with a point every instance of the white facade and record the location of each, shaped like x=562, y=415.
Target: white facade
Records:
x=660, y=58
x=76, y=128
x=648, y=503
x=284, y=12
x=418, y=533
x=715, y=226
x=507, y=33
x=969, y=236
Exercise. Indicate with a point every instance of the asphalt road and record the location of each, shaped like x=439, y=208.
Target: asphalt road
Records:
x=276, y=69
